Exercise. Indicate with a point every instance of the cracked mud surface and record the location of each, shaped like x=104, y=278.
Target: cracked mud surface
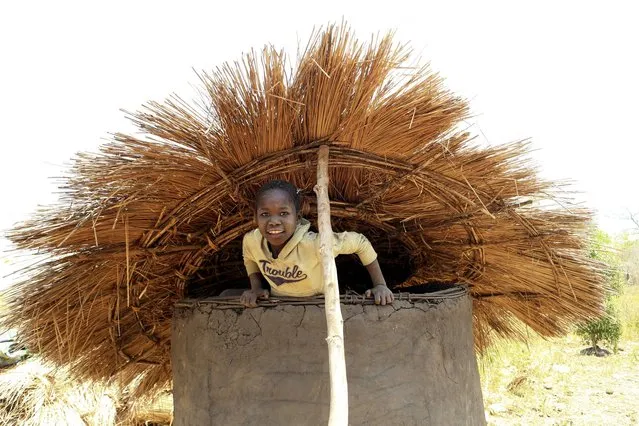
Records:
x=407, y=364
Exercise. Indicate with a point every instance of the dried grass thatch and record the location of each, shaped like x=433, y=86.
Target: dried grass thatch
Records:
x=35, y=392
x=153, y=217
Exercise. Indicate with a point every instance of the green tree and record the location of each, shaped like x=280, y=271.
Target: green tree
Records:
x=606, y=329
x=629, y=256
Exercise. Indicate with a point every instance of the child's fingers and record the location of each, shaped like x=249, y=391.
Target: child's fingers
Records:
x=367, y=293
x=248, y=299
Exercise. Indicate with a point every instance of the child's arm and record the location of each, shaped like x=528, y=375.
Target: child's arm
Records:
x=380, y=291
x=354, y=242
x=376, y=273
x=249, y=297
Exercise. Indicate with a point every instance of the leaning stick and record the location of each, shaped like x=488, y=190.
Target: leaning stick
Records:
x=334, y=324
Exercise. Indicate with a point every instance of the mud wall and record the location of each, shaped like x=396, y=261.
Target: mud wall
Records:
x=409, y=364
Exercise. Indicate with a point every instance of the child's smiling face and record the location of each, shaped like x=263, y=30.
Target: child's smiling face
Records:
x=276, y=217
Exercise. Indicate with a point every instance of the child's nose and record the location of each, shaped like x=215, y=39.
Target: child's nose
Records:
x=274, y=220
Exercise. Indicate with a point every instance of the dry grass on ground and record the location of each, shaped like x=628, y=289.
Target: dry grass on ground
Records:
x=547, y=382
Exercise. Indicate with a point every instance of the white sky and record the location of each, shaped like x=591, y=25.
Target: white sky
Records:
x=562, y=73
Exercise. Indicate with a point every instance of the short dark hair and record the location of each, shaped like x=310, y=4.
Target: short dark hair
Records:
x=289, y=188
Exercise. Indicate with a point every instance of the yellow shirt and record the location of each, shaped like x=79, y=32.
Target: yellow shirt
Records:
x=297, y=271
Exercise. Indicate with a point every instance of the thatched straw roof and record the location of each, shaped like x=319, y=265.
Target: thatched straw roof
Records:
x=34, y=392
x=156, y=216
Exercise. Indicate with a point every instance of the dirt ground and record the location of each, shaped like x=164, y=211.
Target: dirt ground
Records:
x=550, y=383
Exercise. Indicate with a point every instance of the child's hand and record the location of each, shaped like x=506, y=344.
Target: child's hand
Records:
x=249, y=297
x=381, y=293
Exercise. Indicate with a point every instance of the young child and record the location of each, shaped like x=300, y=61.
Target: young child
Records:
x=285, y=252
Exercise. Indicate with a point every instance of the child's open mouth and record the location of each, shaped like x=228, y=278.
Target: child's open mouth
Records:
x=276, y=235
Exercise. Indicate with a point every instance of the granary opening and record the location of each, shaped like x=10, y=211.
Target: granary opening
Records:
x=225, y=268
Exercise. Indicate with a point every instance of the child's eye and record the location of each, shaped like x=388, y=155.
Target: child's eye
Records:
x=264, y=214
x=284, y=214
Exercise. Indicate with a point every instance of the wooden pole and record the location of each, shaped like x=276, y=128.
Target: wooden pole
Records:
x=334, y=324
